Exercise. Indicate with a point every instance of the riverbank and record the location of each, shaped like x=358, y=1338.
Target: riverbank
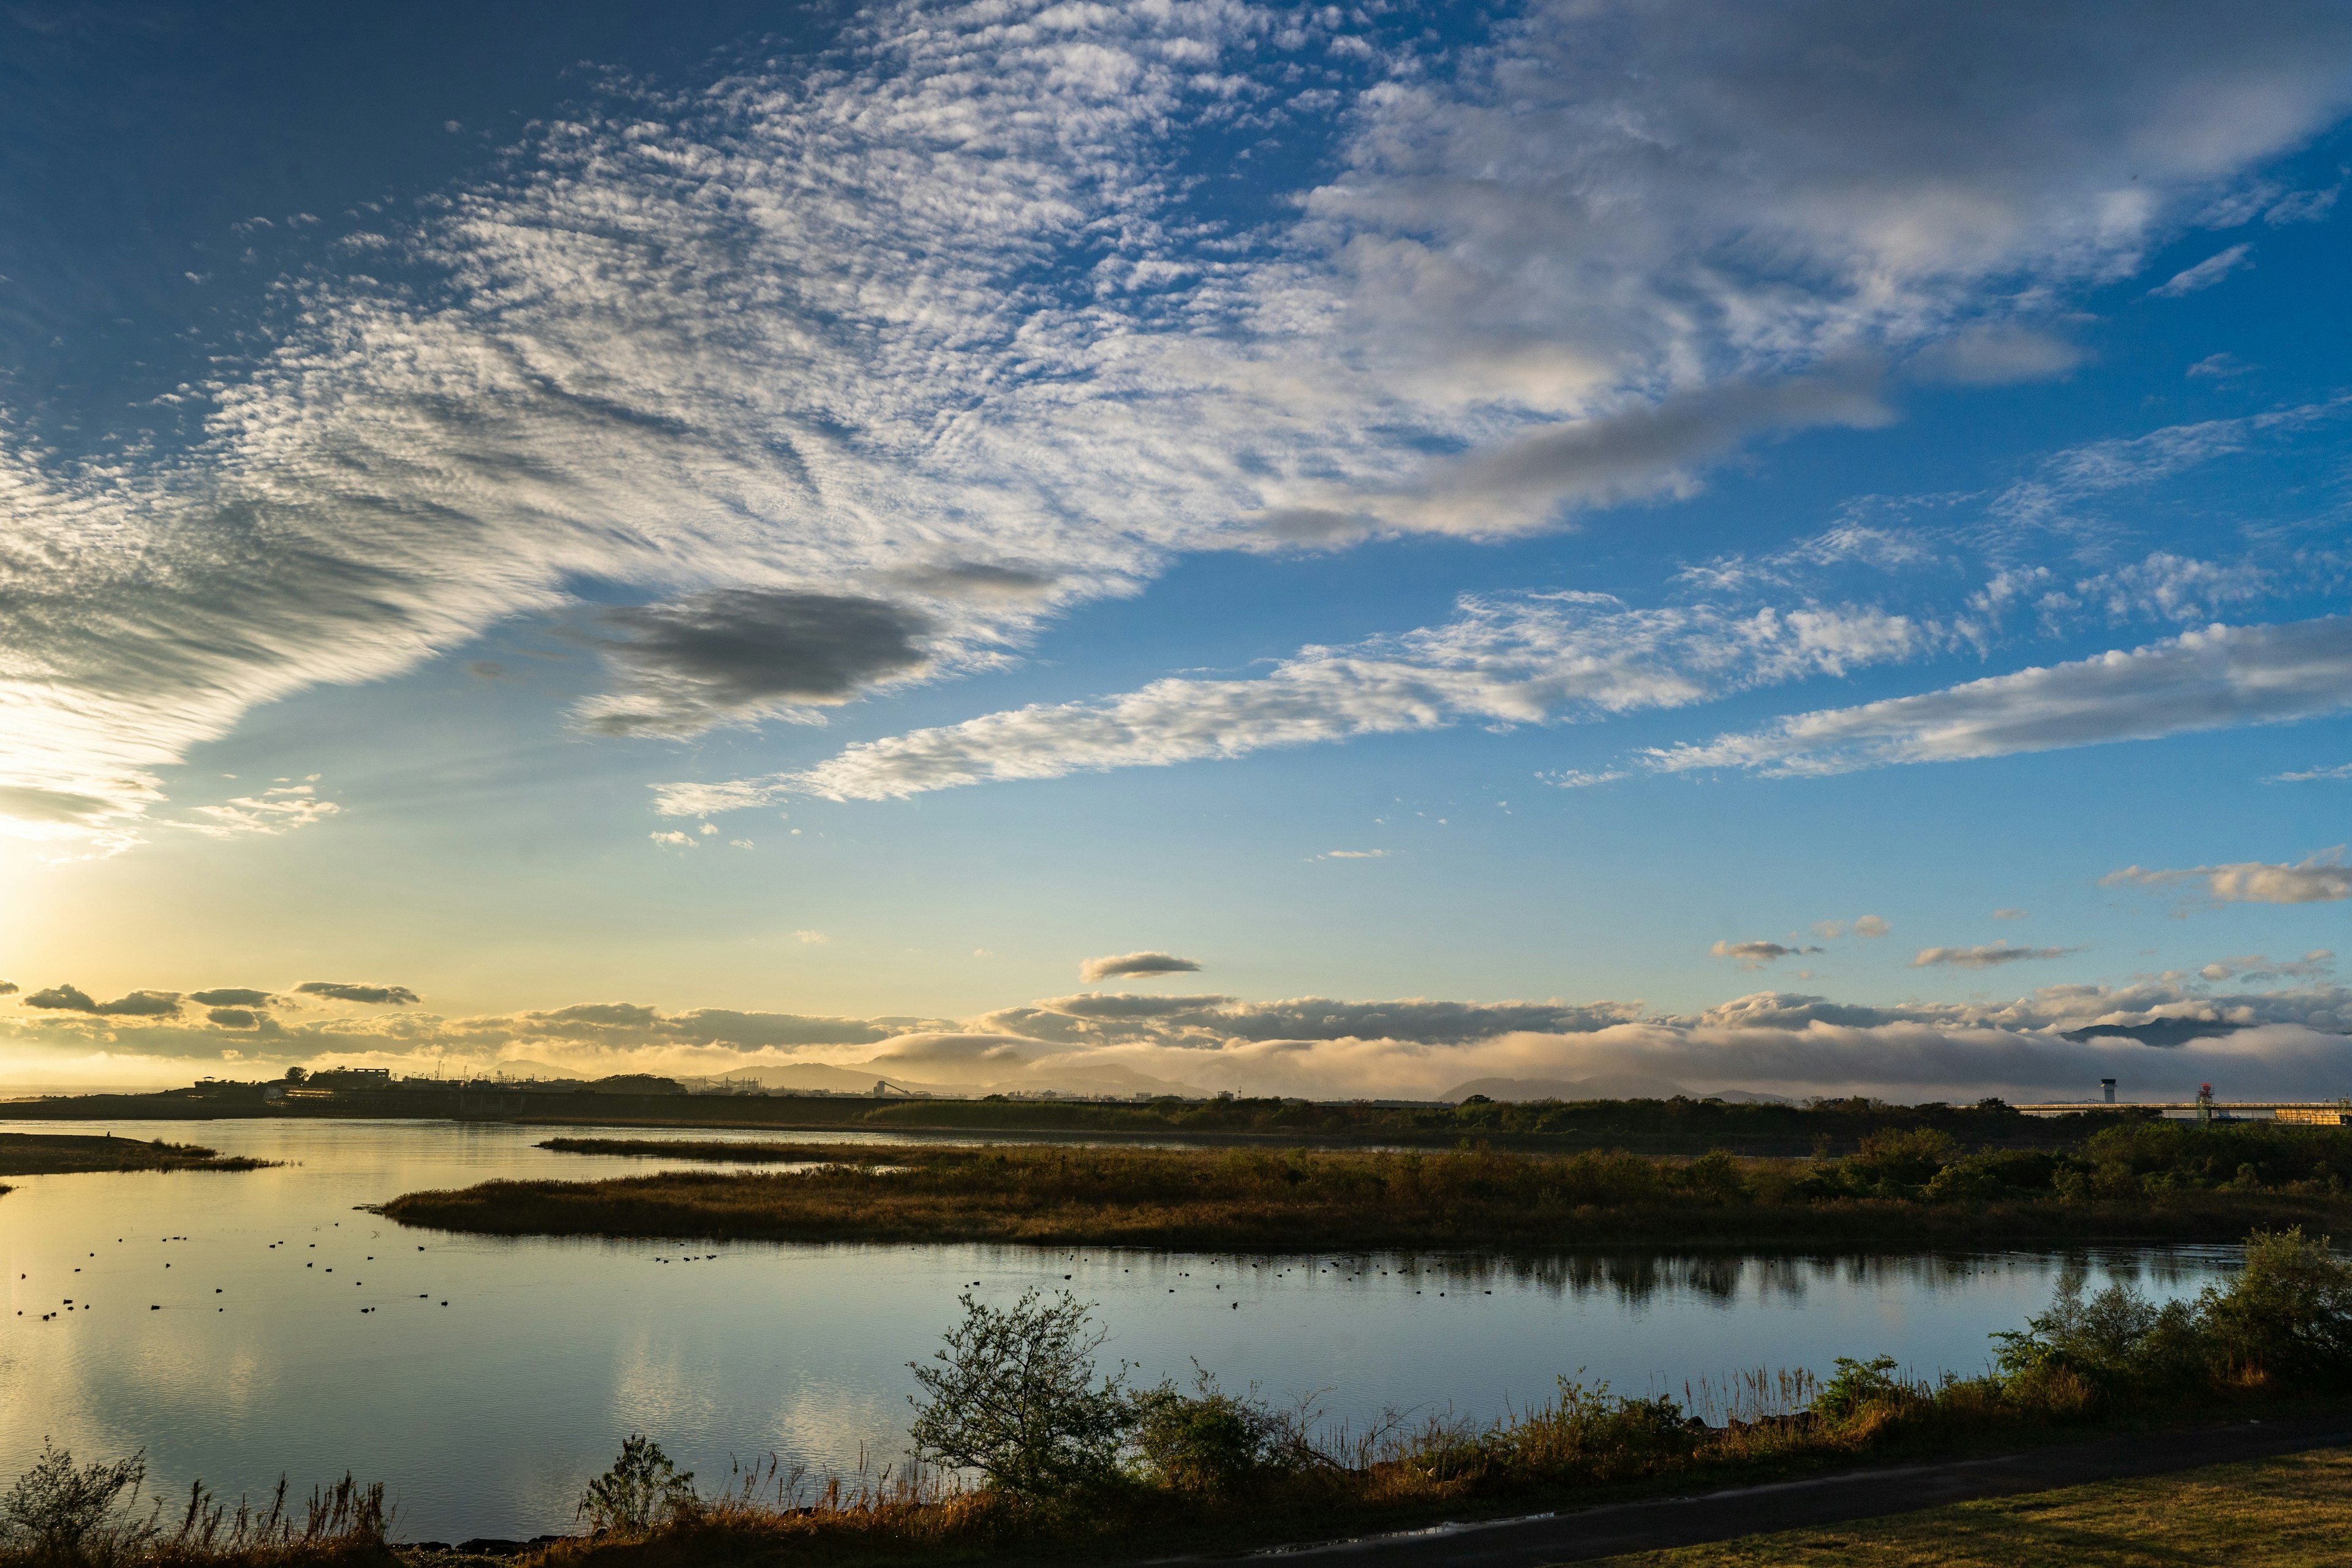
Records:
x=49, y=1154
x=2153, y=1181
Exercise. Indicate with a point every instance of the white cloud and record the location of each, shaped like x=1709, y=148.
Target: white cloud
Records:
x=2213, y=678
x=927, y=324
x=1351, y=855
x=1523, y=659
x=1987, y=957
x=2205, y=274
x=2340, y=771
x=2009, y=914
x=811, y=938
x=2323, y=879
x=281, y=809
x=1868, y=927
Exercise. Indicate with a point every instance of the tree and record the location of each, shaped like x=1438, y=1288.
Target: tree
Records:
x=1014, y=1396
x=296, y=1075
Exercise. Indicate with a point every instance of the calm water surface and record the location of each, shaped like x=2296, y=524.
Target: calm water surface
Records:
x=218, y=1322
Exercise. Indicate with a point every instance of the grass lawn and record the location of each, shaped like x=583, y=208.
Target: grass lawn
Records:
x=2287, y=1512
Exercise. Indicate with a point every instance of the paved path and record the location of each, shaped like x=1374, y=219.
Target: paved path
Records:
x=1658, y=1522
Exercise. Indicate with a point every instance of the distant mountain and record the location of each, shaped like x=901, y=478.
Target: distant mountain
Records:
x=1603, y=1086
x=2156, y=1032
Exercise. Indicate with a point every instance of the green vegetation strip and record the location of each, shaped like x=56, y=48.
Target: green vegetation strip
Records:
x=2138, y=1180
x=46, y=1154
x=2290, y=1512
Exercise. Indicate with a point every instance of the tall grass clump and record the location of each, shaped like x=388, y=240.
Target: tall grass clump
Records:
x=60, y=1515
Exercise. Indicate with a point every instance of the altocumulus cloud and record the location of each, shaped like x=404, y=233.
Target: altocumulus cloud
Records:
x=2324, y=879
x=921, y=342
x=137, y=1005
x=1990, y=956
x=344, y=990
x=1756, y=954
x=2206, y=679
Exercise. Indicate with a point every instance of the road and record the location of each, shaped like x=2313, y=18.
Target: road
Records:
x=1655, y=1523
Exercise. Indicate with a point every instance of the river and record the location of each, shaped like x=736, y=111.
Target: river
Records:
x=238, y=1326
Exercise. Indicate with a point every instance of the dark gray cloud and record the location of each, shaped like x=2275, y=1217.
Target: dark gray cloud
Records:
x=137, y=1005
x=7, y=988
x=688, y=663
x=2164, y=1032
x=344, y=990
x=1116, y=964
x=230, y=996
x=234, y=1017
x=1644, y=451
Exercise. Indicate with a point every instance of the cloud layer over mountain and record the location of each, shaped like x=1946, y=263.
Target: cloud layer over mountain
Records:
x=2161, y=1037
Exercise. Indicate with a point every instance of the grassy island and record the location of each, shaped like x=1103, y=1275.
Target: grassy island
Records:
x=49, y=1154
x=2144, y=1180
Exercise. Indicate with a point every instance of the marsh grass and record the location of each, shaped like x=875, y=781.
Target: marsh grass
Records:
x=1907, y=1189
x=47, y=1154
x=60, y=1515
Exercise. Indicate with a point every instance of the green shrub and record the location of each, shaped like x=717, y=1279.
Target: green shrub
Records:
x=2288, y=1315
x=643, y=1489
x=1858, y=1385
x=2116, y=1342
x=1014, y=1396
x=1207, y=1441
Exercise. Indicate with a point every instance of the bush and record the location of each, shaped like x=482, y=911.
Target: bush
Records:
x=2288, y=1315
x=642, y=1490
x=1207, y=1441
x=2116, y=1341
x=1014, y=1397
x=66, y=1513
x=1860, y=1384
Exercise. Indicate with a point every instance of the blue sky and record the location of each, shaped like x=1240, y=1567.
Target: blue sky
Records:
x=764, y=540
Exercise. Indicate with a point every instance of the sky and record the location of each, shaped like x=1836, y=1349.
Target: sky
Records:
x=1327, y=550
